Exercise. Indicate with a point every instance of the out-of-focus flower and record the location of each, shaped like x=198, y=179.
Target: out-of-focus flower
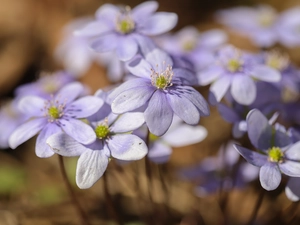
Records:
x=123, y=30
x=236, y=70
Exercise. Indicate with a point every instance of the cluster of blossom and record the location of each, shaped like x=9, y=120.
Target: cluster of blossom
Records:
x=154, y=106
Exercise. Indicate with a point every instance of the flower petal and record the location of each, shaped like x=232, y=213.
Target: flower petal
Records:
x=228, y=114
x=105, y=43
x=158, y=114
x=269, y=176
x=220, y=87
x=293, y=153
x=185, y=135
x=127, y=147
x=184, y=108
x=127, y=48
x=259, y=130
x=69, y=92
x=159, y=59
x=209, y=75
x=265, y=73
x=292, y=189
x=64, y=145
x=133, y=83
x=290, y=168
x=139, y=67
x=92, y=29
x=196, y=98
x=26, y=131
x=131, y=99
x=84, y=106
x=31, y=105
x=128, y=122
x=252, y=157
x=90, y=167
x=143, y=10
x=78, y=130
x=108, y=13
x=159, y=23
x=43, y=150
x=243, y=90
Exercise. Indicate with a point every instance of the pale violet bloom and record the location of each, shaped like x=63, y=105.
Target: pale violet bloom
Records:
x=236, y=70
x=161, y=91
x=48, y=84
x=258, y=23
x=48, y=116
x=124, y=30
x=10, y=119
x=197, y=47
x=292, y=189
x=288, y=27
x=179, y=135
x=113, y=140
x=277, y=153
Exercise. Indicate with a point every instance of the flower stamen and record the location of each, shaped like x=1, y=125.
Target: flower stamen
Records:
x=102, y=129
x=162, y=80
x=275, y=155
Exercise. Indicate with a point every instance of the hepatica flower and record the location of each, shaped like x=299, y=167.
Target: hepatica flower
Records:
x=236, y=70
x=276, y=154
x=162, y=91
x=113, y=140
x=123, y=29
x=62, y=112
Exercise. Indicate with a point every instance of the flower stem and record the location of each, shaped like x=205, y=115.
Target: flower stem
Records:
x=81, y=213
x=256, y=207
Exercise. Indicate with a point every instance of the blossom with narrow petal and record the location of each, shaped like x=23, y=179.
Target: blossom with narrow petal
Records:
x=162, y=91
x=113, y=140
x=48, y=84
x=62, y=112
x=236, y=70
x=276, y=155
x=124, y=30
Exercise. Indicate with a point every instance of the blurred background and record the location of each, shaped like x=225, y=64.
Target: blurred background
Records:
x=31, y=189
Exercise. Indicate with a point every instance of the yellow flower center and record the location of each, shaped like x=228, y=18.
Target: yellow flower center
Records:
x=162, y=80
x=102, y=131
x=234, y=65
x=54, y=112
x=275, y=154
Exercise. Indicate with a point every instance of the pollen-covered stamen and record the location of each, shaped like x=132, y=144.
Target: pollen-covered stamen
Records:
x=102, y=129
x=189, y=45
x=125, y=24
x=277, y=60
x=54, y=110
x=162, y=80
x=235, y=63
x=275, y=155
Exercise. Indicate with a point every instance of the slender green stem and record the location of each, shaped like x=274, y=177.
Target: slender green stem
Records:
x=81, y=213
x=256, y=207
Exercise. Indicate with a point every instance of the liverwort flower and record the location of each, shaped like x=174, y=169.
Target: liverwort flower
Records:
x=276, y=155
x=61, y=112
x=48, y=84
x=259, y=23
x=197, y=47
x=113, y=140
x=162, y=90
x=288, y=27
x=124, y=30
x=236, y=70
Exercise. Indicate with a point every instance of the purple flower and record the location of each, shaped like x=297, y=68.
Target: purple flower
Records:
x=10, y=119
x=113, y=140
x=62, y=112
x=125, y=30
x=197, y=47
x=288, y=27
x=48, y=84
x=276, y=155
x=236, y=70
x=162, y=91
x=292, y=189
x=260, y=23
